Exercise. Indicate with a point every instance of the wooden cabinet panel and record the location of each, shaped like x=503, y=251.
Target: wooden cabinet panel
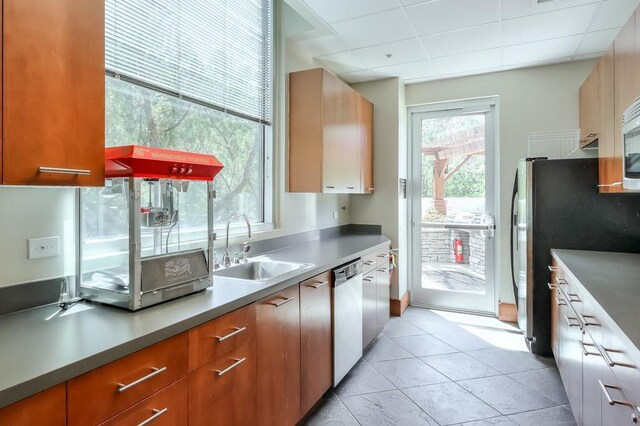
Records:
x=167, y=407
x=589, y=114
x=610, y=170
x=223, y=392
x=278, y=339
x=99, y=394
x=47, y=408
x=383, y=302
x=592, y=365
x=369, y=308
x=215, y=338
x=365, y=120
x=53, y=91
x=316, y=356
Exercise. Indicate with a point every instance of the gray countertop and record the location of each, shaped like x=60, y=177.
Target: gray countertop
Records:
x=613, y=279
x=43, y=347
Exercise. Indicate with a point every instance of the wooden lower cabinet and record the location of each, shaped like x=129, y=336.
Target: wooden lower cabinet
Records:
x=278, y=376
x=383, y=301
x=369, y=310
x=47, y=408
x=223, y=392
x=316, y=355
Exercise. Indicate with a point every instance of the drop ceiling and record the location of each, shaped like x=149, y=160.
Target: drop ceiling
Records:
x=422, y=40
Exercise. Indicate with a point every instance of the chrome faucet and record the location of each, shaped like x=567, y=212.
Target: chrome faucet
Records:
x=226, y=262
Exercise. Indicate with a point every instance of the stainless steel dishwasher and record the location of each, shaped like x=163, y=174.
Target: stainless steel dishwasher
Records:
x=347, y=318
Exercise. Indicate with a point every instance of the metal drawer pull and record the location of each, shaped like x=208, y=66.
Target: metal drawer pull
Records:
x=330, y=187
x=591, y=135
x=573, y=324
x=318, y=285
x=612, y=363
x=350, y=187
x=551, y=286
x=553, y=268
x=368, y=263
x=155, y=372
x=574, y=298
x=383, y=255
x=382, y=270
x=238, y=330
x=237, y=362
x=64, y=171
x=585, y=351
x=610, y=185
x=610, y=400
x=156, y=413
x=585, y=321
x=367, y=279
x=561, y=281
x=278, y=304
x=561, y=302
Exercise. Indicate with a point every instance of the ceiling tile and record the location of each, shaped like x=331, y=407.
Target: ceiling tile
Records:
x=359, y=76
x=559, y=23
x=410, y=2
x=518, y=8
x=341, y=62
x=401, y=51
x=540, y=51
x=323, y=45
x=597, y=41
x=413, y=70
x=468, y=62
x=482, y=37
x=339, y=10
x=613, y=14
x=375, y=29
x=439, y=16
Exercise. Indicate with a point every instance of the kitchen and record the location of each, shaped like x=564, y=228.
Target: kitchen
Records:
x=257, y=213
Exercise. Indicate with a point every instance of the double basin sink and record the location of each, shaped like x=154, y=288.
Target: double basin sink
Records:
x=262, y=271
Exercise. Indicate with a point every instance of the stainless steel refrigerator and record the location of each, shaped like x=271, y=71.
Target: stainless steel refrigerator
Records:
x=556, y=204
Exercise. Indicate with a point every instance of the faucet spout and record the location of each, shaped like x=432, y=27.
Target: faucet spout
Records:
x=226, y=262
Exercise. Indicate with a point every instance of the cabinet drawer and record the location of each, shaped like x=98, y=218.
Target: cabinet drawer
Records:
x=165, y=408
x=382, y=257
x=105, y=391
x=215, y=338
x=617, y=408
x=622, y=360
x=223, y=392
x=46, y=408
x=369, y=262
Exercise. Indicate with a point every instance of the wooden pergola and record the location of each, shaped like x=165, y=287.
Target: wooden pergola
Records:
x=467, y=143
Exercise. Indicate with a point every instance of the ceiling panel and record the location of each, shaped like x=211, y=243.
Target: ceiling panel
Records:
x=541, y=50
x=439, y=16
x=359, y=76
x=323, y=45
x=613, y=14
x=375, y=29
x=339, y=10
x=598, y=41
x=401, y=51
x=413, y=70
x=482, y=37
x=341, y=62
x=468, y=62
x=518, y=8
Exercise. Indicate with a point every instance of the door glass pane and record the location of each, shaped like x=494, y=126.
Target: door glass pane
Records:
x=453, y=203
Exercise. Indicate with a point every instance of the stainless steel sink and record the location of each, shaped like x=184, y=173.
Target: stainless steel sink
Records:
x=261, y=271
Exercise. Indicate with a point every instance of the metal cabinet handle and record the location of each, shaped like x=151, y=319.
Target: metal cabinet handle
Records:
x=330, y=187
x=368, y=263
x=573, y=324
x=63, y=171
x=318, y=285
x=585, y=351
x=278, y=304
x=155, y=372
x=237, y=362
x=156, y=413
x=237, y=331
x=574, y=298
x=610, y=400
x=553, y=268
x=586, y=322
x=610, y=185
x=558, y=302
x=350, y=187
x=612, y=363
x=591, y=135
x=382, y=270
x=383, y=255
x=367, y=279
x=551, y=286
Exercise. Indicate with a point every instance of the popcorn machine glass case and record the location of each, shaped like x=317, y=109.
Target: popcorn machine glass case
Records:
x=147, y=236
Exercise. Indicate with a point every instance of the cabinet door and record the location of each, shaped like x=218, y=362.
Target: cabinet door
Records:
x=617, y=409
x=592, y=365
x=382, y=298
x=571, y=354
x=369, y=308
x=278, y=384
x=366, y=140
x=610, y=170
x=315, y=339
x=53, y=92
x=47, y=408
x=589, y=117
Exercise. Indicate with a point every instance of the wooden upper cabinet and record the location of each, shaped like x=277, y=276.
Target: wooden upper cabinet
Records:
x=47, y=408
x=330, y=135
x=589, y=114
x=53, y=92
x=610, y=171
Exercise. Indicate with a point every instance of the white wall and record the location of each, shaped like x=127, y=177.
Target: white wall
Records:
x=532, y=99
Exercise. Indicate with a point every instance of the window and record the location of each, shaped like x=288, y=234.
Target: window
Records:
x=196, y=75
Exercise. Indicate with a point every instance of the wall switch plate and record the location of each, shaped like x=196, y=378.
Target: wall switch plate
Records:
x=335, y=215
x=43, y=247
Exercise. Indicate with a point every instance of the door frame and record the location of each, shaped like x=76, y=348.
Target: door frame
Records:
x=492, y=163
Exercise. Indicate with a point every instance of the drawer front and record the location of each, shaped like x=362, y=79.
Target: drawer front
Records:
x=46, y=408
x=382, y=257
x=165, y=408
x=215, y=338
x=95, y=396
x=622, y=361
x=369, y=262
x=617, y=408
x=223, y=392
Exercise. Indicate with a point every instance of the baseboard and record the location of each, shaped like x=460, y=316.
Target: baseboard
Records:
x=507, y=312
x=398, y=306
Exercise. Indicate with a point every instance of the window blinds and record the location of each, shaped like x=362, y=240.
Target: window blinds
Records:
x=213, y=52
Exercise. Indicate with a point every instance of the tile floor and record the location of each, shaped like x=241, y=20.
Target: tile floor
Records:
x=441, y=368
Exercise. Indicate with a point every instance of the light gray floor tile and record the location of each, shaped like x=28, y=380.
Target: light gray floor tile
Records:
x=424, y=345
x=506, y=395
x=463, y=340
x=506, y=361
x=414, y=312
x=546, y=382
x=386, y=408
x=410, y=372
x=556, y=416
x=496, y=421
x=434, y=324
x=363, y=378
x=460, y=366
x=383, y=349
x=331, y=411
x=448, y=403
x=398, y=327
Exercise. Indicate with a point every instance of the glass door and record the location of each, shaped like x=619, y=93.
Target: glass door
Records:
x=453, y=229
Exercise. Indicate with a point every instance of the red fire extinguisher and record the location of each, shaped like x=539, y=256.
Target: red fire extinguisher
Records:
x=457, y=250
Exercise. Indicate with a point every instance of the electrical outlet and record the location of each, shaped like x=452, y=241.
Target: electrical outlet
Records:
x=335, y=215
x=43, y=247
